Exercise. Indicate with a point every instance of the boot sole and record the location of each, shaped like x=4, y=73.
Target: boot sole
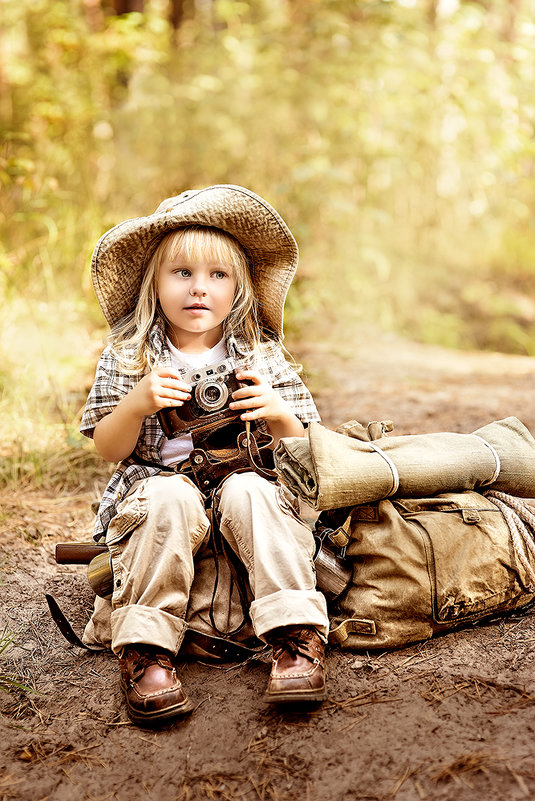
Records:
x=161, y=715
x=296, y=698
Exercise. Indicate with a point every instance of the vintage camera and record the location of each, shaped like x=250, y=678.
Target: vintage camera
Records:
x=211, y=392
x=212, y=389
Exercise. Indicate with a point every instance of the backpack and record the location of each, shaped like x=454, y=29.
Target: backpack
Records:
x=420, y=567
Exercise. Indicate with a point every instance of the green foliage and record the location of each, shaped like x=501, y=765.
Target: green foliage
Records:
x=388, y=136
x=395, y=137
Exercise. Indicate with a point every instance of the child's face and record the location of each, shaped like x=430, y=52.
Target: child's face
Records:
x=196, y=297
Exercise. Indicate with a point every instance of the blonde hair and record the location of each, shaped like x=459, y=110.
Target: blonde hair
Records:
x=130, y=337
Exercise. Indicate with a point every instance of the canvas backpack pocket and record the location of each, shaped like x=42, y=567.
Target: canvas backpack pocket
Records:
x=388, y=602
x=472, y=566
x=423, y=566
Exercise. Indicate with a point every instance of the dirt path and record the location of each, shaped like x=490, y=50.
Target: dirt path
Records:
x=448, y=719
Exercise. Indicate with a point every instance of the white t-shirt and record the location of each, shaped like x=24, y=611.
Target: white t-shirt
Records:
x=176, y=450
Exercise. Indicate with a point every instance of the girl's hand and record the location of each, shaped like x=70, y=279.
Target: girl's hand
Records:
x=116, y=434
x=258, y=398
x=261, y=401
x=160, y=388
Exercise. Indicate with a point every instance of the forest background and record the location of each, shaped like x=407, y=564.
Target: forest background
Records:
x=396, y=137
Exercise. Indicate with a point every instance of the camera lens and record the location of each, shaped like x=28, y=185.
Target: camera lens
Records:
x=211, y=395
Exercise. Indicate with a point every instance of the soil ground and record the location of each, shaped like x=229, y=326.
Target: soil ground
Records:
x=451, y=718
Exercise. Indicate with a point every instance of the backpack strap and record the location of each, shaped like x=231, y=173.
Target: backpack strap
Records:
x=65, y=627
x=196, y=643
x=353, y=625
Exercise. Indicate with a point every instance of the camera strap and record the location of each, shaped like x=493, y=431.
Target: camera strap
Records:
x=265, y=472
x=207, y=467
x=238, y=573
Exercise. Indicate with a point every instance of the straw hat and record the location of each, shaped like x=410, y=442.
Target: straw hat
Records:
x=122, y=254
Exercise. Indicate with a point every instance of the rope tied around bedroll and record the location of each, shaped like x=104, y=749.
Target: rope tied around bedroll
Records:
x=521, y=521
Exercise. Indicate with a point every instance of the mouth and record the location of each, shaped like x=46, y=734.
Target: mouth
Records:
x=197, y=307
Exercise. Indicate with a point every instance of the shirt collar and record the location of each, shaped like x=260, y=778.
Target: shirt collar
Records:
x=236, y=346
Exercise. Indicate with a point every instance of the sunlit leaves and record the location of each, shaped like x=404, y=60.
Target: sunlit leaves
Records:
x=396, y=138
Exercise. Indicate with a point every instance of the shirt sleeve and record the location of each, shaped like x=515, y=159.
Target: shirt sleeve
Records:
x=109, y=387
x=287, y=383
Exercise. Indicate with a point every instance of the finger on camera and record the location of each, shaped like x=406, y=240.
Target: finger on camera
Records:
x=172, y=402
x=246, y=392
x=180, y=397
x=248, y=403
x=178, y=384
x=175, y=391
x=169, y=371
x=174, y=396
x=164, y=402
x=249, y=375
x=252, y=414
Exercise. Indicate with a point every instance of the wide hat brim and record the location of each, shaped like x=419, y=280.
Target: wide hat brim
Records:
x=122, y=254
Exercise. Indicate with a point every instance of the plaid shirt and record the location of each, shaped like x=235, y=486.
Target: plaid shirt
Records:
x=111, y=385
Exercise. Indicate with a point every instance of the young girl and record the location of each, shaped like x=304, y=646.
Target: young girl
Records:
x=201, y=280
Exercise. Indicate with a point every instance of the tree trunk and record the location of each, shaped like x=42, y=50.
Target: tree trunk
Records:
x=127, y=6
x=176, y=13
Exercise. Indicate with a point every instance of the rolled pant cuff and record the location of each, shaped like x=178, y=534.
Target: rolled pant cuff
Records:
x=143, y=624
x=290, y=608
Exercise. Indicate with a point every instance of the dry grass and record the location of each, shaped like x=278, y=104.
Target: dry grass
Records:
x=9, y=681
x=37, y=751
x=467, y=766
x=273, y=777
x=48, y=358
x=363, y=699
x=221, y=786
x=270, y=780
x=33, y=518
x=463, y=766
x=49, y=457
x=500, y=697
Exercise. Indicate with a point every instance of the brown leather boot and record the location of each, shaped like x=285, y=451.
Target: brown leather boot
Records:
x=152, y=690
x=298, y=670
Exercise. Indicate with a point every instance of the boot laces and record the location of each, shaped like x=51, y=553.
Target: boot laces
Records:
x=141, y=660
x=292, y=641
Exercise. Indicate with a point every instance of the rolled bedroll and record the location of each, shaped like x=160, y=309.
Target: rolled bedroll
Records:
x=328, y=469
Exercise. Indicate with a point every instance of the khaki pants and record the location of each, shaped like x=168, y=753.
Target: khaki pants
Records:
x=160, y=526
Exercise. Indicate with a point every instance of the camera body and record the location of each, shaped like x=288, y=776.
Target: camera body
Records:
x=211, y=389
x=211, y=392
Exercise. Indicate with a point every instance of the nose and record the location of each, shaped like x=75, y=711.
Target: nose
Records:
x=198, y=288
